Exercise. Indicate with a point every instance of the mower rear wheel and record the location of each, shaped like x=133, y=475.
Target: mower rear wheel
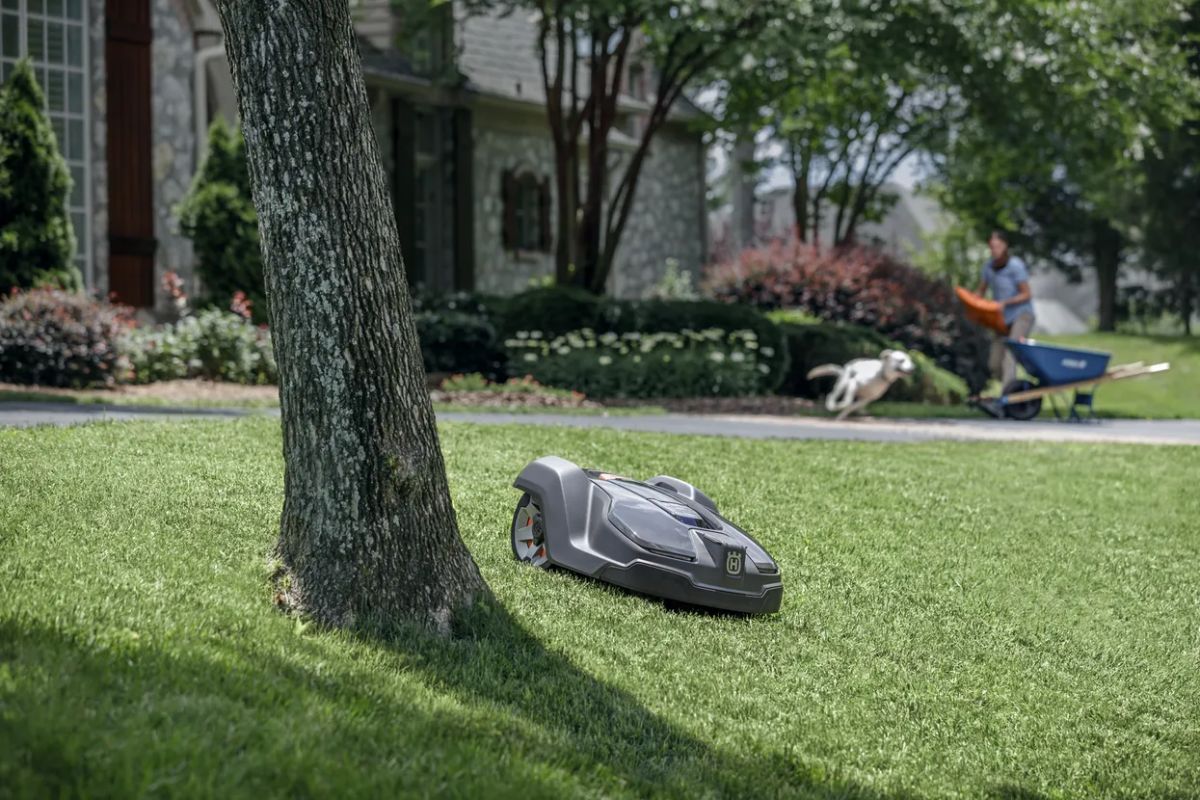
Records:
x=529, y=533
x=1026, y=409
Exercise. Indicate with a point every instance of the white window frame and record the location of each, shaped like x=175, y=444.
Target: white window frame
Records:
x=83, y=247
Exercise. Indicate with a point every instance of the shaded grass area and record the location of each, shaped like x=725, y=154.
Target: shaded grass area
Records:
x=956, y=622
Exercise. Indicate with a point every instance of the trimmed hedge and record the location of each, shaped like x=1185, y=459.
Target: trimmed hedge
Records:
x=708, y=363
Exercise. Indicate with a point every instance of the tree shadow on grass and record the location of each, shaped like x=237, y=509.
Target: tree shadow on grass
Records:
x=597, y=727
x=489, y=712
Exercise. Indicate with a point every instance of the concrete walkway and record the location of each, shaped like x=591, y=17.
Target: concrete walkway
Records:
x=1185, y=432
x=869, y=430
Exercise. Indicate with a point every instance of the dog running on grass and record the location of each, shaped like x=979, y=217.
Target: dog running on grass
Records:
x=863, y=380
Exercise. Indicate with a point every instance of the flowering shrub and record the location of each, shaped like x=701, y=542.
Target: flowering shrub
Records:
x=55, y=338
x=213, y=344
x=707, y=363
x=859, y=286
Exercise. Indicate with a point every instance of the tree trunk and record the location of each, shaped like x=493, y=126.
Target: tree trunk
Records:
x=741, y=180
x=368, y=534
x=1106, y=245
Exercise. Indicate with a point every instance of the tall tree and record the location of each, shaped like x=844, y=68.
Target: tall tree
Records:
x=1060, y=106
x=368, y=533
x=37, y=241
x=587, y=50
x=1171, y=208
x=848, y=98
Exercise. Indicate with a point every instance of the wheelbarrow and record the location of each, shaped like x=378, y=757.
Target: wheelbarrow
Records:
x=1055, y=370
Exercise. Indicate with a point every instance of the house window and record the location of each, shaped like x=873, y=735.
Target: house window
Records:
x=53, y=35
x=526, y=211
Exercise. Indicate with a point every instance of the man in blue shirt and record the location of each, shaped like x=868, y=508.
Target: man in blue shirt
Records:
x=1008, y=278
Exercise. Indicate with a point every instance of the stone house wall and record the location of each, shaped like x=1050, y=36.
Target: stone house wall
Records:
x=174, y=159
x=668, y=219
x=505, y=141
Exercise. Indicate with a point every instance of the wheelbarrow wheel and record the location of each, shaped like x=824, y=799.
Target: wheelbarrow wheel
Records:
x=1026, y=409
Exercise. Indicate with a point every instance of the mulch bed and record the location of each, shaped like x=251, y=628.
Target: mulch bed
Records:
x=776, y=406
x=511, y=400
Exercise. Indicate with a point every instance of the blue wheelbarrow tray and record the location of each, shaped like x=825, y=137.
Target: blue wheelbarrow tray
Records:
x=1058, y=369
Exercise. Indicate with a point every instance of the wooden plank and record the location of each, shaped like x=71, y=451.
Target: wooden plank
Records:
x=1115, y=374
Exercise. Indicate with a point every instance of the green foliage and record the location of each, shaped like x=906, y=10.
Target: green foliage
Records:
x=49, y=337
x=954, y=253
x=37, y=241
x=675, y=284
x=215, y=345
x=218, y=215
x=706, y=363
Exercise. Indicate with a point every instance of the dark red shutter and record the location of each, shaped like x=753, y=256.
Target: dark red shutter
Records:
x=130, y=183
x=508, y=196
x=544, y=214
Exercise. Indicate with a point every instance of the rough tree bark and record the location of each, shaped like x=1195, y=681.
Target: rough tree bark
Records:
x=368, y=534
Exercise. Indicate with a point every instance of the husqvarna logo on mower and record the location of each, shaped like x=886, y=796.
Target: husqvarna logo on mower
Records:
x=733, y=562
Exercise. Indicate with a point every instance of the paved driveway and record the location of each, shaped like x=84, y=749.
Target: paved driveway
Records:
x=754, y=427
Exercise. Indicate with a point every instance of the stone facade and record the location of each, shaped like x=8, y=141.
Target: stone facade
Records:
x=504, y=143
x=97, y=278
x=174, y=159
x=668, y=220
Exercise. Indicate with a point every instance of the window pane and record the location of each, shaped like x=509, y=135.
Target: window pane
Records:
x=55, y=43
x=75, y=9
x=35, y=36
x=75, y=93
x=77, y=190
x=54, y=7
x=60, y=131
x=10, y=37
x=37, y=7
x=75, y=148
x=56, y=92
x=13, y=4
x=75, y=45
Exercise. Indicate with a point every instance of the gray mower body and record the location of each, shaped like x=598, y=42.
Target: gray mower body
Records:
x=660, y=537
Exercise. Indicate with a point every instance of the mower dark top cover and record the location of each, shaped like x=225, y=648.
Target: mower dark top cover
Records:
x=660, y=537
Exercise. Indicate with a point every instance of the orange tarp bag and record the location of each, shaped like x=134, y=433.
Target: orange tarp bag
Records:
x=982, y=311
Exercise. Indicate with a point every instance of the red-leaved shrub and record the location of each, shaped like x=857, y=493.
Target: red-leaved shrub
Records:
x=54, y=338
x=862, y=286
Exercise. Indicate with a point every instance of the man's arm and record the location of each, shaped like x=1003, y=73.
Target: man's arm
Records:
x=1024, y=295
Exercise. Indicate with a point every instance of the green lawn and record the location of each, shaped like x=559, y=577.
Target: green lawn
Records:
x=1015, y=623
x=1171, y=395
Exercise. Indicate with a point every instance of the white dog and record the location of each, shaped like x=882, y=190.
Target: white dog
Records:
x=863, y=380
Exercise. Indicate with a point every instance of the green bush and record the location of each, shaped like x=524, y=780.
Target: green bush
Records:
x=215, y=345
x=53, y=338
x=708, y=363
x=659, y=316
x=218, y=216
x=811, y=344
x=37, y=242
x=457, y=335
x=553, y=310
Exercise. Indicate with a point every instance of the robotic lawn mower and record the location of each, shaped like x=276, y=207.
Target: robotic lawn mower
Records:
x=660, y=537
